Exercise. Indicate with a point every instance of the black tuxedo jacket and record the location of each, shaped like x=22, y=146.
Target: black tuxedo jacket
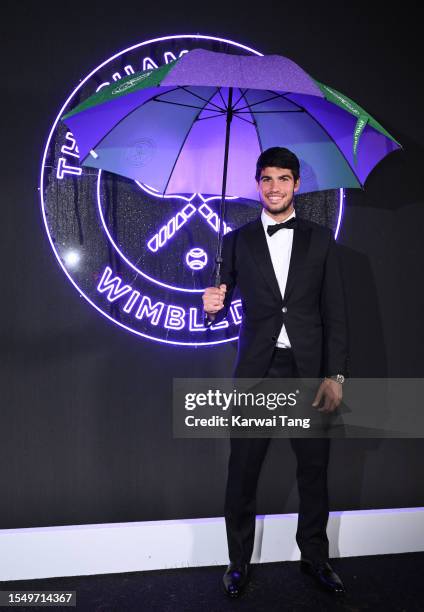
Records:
x=312, y=308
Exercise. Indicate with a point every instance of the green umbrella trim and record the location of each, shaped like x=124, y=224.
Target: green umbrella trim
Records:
x=364, y=118
x=359, y=128
x=129, y=84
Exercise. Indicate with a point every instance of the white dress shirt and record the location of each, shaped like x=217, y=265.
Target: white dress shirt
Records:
x=280, y=247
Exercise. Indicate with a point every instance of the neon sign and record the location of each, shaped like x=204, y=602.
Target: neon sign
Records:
x=123, y=267
x=171, y=316
x=139, y=258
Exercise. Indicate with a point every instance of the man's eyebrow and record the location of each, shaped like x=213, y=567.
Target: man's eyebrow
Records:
x=279, y=176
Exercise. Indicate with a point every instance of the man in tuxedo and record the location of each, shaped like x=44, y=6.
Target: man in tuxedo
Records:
x=288, y=276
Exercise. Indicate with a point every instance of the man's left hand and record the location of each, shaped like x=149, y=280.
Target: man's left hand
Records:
x=331, y=392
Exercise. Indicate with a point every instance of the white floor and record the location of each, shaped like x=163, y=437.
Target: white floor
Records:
x=128, y=547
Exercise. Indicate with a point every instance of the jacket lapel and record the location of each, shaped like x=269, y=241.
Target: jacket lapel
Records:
x=301, y=240
x=260, y=253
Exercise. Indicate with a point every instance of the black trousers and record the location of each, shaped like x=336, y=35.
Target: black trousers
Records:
x=244, y=468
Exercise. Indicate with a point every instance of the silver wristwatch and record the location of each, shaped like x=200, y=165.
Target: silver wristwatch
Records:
x=338, y=378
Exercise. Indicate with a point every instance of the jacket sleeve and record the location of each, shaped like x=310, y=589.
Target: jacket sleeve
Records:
x=228, y=275
x=333, y=312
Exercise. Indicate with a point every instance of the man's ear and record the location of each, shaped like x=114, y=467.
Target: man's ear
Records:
x=297, y=185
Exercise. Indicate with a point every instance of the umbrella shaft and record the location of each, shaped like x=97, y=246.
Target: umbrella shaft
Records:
x=218, y=258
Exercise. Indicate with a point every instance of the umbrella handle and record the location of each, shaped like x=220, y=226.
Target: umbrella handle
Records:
x=217, y=274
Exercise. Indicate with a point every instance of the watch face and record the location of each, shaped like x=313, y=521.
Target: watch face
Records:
x=140, y=259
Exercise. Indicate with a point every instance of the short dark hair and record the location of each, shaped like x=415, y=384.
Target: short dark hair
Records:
x=278, y=157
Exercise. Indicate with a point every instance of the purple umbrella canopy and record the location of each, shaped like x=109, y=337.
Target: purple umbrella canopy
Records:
x=174, y=129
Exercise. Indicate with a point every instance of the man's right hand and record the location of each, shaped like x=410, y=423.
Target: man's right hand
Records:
x=213, y=300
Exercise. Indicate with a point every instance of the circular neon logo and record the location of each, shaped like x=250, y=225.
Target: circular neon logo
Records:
x=140, y=259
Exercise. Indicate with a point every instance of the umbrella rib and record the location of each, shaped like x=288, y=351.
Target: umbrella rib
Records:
x=211, y=116
x=222, y=98
x=269, y=112
x=254, y=123
x=177, y=103
x=304, y=110
x=248, y=105
x=244, y=119
x=123, y=119
x=164, y=93
x=203, y=99
x=241, y=96
x=183, y=143
x=177, y=88
x=329, y=136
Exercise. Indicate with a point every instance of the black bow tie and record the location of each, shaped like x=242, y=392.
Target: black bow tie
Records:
x=290, y=224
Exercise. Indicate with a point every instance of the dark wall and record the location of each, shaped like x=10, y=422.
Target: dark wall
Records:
x=85, y=418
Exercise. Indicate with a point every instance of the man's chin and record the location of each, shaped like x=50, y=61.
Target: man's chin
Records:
x=277, y=211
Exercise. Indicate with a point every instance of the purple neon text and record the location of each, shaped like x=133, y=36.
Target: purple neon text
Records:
x=169, y=316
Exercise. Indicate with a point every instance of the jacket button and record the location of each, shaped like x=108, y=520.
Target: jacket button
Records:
x=284, y=308
x=274, y=338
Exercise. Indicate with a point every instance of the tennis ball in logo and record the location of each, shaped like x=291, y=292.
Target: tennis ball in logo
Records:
x=196, y=259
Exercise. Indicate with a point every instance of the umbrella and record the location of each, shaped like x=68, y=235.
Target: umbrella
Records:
x=198, y=124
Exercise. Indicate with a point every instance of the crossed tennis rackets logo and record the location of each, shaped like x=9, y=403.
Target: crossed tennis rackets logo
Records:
x=176, y=222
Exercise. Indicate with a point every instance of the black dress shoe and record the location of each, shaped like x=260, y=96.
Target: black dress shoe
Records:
x=235, y=579
x=324, y=575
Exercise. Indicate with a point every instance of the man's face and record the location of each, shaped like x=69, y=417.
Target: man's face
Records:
x=276, y=188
